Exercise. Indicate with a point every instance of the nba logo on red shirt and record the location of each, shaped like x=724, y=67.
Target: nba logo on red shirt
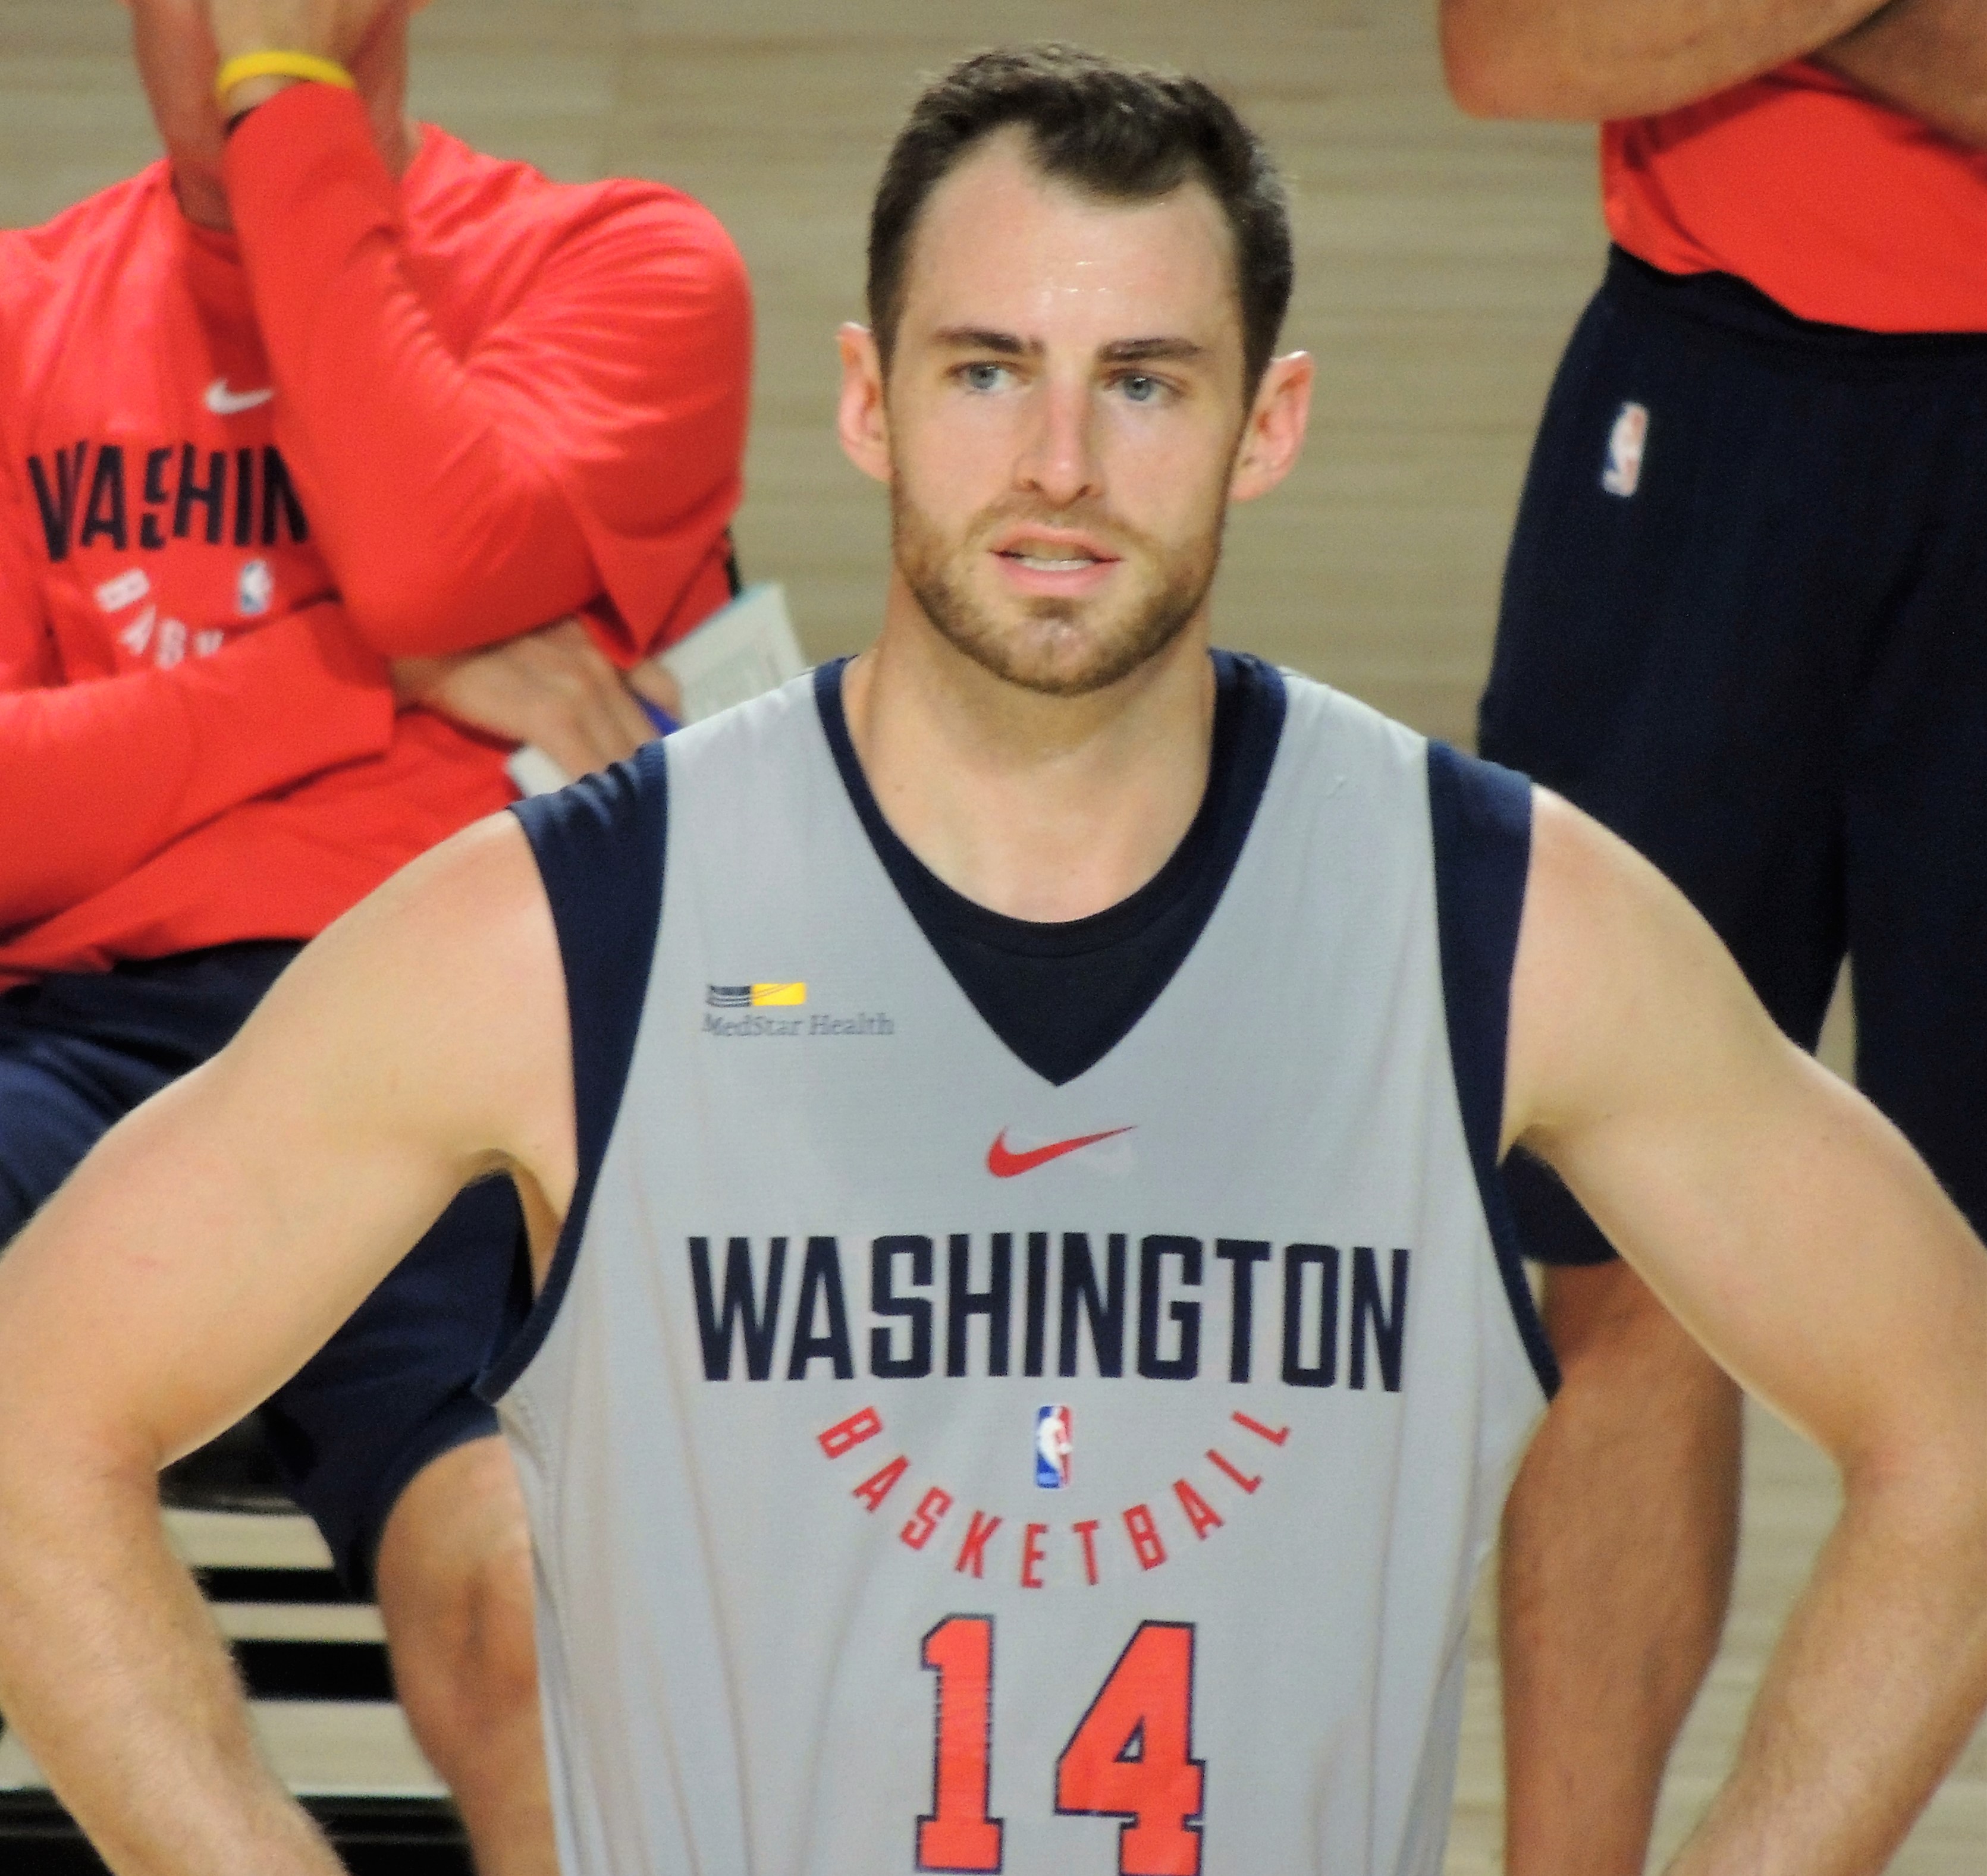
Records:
x=1052, y=1447
x=1625, y=442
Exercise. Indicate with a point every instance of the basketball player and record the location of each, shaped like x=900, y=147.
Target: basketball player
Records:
x=1741, y=626
x=1039, y=1018
x=306, y=433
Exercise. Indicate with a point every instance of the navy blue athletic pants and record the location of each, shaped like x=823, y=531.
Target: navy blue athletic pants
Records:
x=393, y=1389
x=1745, y=625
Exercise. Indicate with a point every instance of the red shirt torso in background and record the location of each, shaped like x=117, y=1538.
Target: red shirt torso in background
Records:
x=197, y=741
x=1838, y=207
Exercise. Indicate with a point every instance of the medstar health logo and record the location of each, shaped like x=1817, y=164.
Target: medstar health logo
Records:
x=755, y=996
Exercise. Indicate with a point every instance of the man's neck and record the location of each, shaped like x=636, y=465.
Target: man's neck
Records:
x=1043, y=808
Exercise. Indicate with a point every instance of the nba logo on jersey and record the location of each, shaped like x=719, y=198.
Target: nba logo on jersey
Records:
x=1052, y=1447
x=254, y=589
x=1624, y=472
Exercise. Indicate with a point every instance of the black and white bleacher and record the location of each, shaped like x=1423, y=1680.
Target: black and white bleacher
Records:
x=314, y=1661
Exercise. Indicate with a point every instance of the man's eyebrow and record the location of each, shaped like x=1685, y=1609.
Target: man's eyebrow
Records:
x=984, y=338
x=1119, y=351
x=1145, y=351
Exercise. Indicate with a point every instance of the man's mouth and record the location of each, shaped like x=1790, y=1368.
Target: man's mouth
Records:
x=1047, y=562
x=1050, y=553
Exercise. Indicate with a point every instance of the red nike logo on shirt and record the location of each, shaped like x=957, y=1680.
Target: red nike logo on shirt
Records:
x=1005, y=1165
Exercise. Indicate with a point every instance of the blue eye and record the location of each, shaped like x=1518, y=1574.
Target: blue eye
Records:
x=983, y=376
x=1140, y=389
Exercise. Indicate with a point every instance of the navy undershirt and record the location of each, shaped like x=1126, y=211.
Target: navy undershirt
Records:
x=1062, y=996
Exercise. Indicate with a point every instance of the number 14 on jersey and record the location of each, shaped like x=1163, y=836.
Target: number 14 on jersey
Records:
x=1131, y=1756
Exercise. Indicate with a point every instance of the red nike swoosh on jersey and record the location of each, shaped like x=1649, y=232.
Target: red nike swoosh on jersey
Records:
x=1005, y=1165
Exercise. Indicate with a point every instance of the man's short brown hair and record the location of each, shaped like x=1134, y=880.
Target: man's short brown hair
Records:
x=1122, y=133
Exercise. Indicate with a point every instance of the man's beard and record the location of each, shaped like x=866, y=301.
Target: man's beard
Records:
x=1059, y=648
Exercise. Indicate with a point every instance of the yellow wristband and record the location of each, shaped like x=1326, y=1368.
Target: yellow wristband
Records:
x=279, y=65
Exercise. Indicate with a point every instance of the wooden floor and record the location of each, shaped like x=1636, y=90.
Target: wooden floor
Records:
x=1440, y=265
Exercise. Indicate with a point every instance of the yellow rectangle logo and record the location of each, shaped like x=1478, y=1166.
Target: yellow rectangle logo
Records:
x=771, y=995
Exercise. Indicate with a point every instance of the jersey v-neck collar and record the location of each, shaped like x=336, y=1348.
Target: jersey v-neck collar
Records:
x=1062, y=996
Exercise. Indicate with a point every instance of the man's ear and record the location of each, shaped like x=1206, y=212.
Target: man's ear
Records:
x=860, y=421
x=1273, y=437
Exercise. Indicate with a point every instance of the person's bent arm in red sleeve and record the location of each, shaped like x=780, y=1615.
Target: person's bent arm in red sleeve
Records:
x=337, y=460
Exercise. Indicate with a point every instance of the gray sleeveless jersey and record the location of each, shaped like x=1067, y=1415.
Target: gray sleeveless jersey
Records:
x=932, y=1468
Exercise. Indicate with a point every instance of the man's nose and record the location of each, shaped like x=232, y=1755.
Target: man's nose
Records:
x=1059, y=460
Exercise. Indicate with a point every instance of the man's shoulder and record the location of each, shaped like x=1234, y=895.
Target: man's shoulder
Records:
x=1345, y=756
x=1328, y=726
x=56, y=277
x=454, y=191
x=100, y=223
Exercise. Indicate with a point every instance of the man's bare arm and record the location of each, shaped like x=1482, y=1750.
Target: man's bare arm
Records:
x=1928, y=57
x=1588, y=60
x=197, y=1258
x=1614, y=1574
x=1791, y=1229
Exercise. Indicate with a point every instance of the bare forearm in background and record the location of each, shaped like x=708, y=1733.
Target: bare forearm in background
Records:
x=1928, y=57
x=1589, y=60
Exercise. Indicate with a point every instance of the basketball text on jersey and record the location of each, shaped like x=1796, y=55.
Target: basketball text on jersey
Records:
x=1058, y=1307
x=1042, y=1556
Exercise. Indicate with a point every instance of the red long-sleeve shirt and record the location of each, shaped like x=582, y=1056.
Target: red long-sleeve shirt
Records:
x=1835, y=205
x=238, y=475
